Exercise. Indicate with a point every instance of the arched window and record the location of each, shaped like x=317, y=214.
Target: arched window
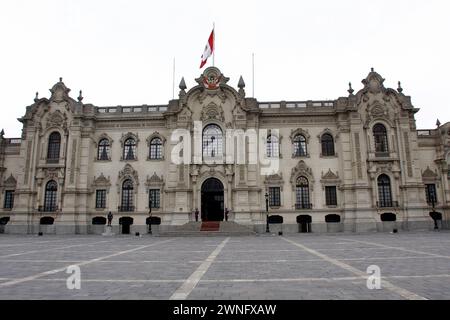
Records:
x=327, y=145
x=384, y=191
x=156, y=149
x=51, y=191
x=103, y=150
x=302, y=193
x=272, y=147
x=381, y=138
x=127, y=196
x=300, y=146
x=54, y=144
x=129, y=149
x=212, y=141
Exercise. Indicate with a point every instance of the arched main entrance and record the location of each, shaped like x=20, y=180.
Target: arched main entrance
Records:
x=212, y=200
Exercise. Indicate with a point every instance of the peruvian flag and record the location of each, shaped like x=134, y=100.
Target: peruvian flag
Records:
x=209, y=49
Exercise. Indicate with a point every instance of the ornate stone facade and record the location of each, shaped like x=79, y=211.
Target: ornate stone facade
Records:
x=345, y=162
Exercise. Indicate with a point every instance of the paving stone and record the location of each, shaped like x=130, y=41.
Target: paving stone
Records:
x=268, y=268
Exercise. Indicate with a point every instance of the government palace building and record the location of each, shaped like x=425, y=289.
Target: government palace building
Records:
x=354, y=164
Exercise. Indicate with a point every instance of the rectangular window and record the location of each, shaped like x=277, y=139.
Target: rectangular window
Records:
x=330, y=196
x=9, y=199
x=100, y=199
x=274, y=197
x=154, y=198
x=431, y=194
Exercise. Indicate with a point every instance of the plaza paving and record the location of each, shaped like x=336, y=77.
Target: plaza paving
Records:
x=413, y=266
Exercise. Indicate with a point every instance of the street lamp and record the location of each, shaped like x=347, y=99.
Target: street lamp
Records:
x=150, y=217
x=267, y=212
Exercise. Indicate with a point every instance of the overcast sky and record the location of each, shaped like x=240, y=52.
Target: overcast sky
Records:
x=120, y=52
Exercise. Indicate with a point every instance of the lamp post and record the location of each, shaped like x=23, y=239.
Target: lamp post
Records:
x=150, y=217
x=267, y=212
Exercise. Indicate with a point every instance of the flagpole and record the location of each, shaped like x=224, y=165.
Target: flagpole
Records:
x=214, y=42
x=173, y=79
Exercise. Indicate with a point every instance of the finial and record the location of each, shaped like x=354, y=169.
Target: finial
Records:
x=60, y=79
x=241, y=83
x=80, y=97
x=36, y=98
x=372, y=70
x=438, y=123
x=2, y=133
x=350, y=89
x=400, y=89
x=182, y=84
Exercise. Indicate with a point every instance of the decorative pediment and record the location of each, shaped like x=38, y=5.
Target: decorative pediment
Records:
x=374, y=82
x=155, y=134
x=154, y=180
x=374, y=89
x=104, y=136
x=298, y=131
x=274, y=179
x=127, y=135
x=11, y=182
x=59, y=92
x=429, y=174
x=301, y=169
x=212, y=112
x=212, y=78
x=212, y=82
x=330, y=175
x=327, y=131
x=185, y=114
x=101, y=181
x=128, y=173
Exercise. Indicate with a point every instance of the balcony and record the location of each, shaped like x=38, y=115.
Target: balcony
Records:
x=387, y=204
x=126, y=208
x=50, y=161
x=303, y=206
x=379, y=154
x=47, y=208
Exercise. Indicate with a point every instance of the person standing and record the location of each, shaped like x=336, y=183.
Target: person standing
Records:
x=110, y=217
x=196, y=214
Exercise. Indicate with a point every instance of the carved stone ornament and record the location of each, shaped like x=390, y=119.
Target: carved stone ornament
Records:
x=56, y=119
x=101, y=181
x=154, y=180
x=429, y=174
x=330, y=175
x=59, y=92
x=212, y=78
x=274, y=180
x=212, y=112
x=11, y=182
x=377, y=111
x=129, y=172
x=301, y=169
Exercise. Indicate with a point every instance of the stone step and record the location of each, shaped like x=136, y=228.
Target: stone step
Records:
x=209, y=228
x=203, y=234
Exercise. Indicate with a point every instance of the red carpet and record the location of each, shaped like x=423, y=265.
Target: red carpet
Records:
x=210, y=226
